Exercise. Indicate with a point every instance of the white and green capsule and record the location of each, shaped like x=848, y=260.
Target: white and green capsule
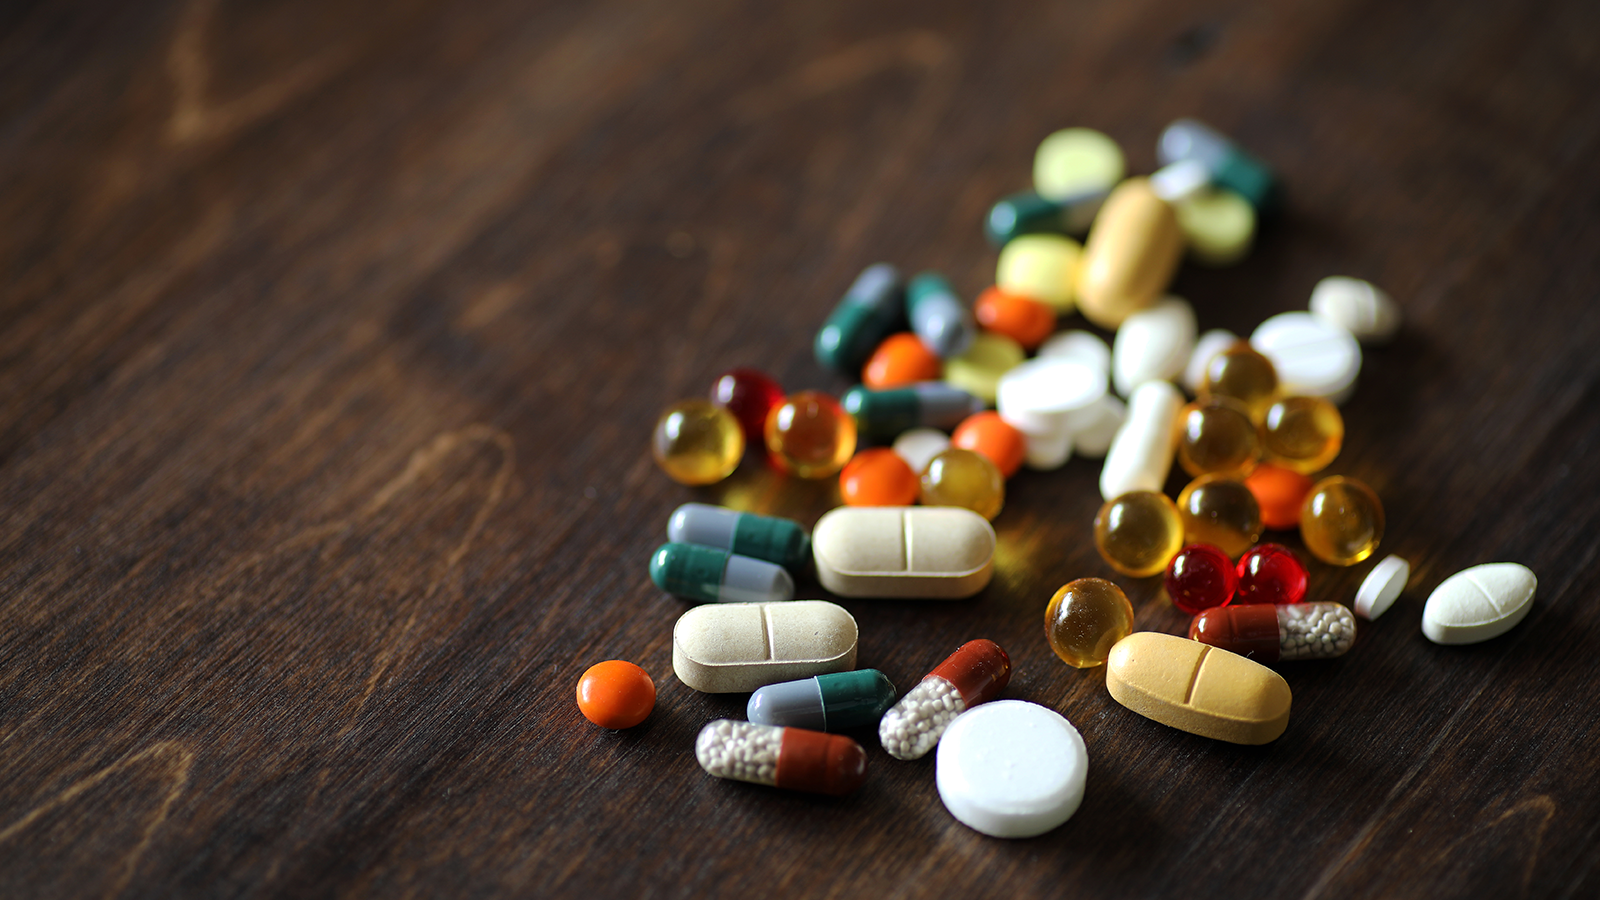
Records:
x=717, y=576
x=939, y=318
x=769, y=538
x=883, y=415
x=1229, y=166
x=1026, y=212
x=838, y=701
x=872, y=309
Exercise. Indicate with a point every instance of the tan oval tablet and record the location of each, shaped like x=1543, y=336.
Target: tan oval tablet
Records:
x=927, y=552
x=724, y=648
x=1197, y=688
x=1130, y=256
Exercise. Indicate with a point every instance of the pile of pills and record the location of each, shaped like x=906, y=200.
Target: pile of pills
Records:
x=949, y=405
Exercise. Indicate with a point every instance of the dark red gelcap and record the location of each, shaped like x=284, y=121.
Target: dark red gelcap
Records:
x=1250, y=631
x=978, y=669
x=820, y=763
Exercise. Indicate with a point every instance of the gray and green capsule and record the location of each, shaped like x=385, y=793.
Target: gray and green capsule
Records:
x=938, y=317
x=837, y=702
x=883, y=415
x=706, y=573
x=1028, y=213
x=871, y=310
x=1230, y=167
x=775, y=540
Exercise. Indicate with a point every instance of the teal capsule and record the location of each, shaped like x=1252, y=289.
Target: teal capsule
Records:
x=938, y=317
x=1230, y=166
x=871, y=310
x=883, y=415
x=1029, y=213
x=775, y=540
x=840, y=701
x=706, y=573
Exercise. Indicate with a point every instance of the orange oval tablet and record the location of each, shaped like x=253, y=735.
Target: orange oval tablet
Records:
x=616, y=694
x=995, y=438
x=878, y=477
x=1279, y=492
x=901, y=359
x=1023, y=319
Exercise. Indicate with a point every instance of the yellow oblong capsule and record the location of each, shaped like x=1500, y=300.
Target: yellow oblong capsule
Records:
x=1198, y=688
x=1130, y=256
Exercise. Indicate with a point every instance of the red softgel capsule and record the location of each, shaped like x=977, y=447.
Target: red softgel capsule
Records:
x=749, y=395
x=1271, y=573
x=1200, y=577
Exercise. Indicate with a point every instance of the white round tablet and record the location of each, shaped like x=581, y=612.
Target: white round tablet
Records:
x=1358, y=307
x=918, y=445
x=1011, y=769
x=1085, y=346
x=1042, y=396
x=1210, y=344
x=1314, y=358
x=1382, y=585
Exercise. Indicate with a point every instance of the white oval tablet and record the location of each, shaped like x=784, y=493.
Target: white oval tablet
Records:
x=918, y=445
x=1141, y=453
x=1048, y=451
x=1093, y=439
x=1314, y=358
x=1358, y=307
x=1382, y=585
x=723, y=648
x=1479, y=603
x=1085, y=346
x=920, y=552
x=1011, y=769
x=1153, y=344
x=1210, y=344
x=1045, y=395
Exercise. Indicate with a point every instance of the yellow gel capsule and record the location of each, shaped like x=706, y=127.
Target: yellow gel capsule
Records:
x=1341, y=521
x=1076, y=161
x=1216, y=437
x=1221, y=512
x=1085, y=619
x=1243, y=374
x=1303, y=434
x=1218, y=225
x=1040, y=266
x=1130, y=256
x=1138, y=533
x=697, y=442
x=957, y=477
x=978, y=370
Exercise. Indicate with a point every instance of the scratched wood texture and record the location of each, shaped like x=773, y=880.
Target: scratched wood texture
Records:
x=331, y=335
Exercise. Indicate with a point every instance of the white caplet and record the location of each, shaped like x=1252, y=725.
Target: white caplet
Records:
x=1358, y=307
x=1314, y=358
x=918, y=445
x=1011, y=769
x=1044, y=396
x=1153, y=344
x=1141, y=453
x=1085, y=346
x=1381, y=587
x=1479, y=603
x=1209, y=345
x=1093, y=439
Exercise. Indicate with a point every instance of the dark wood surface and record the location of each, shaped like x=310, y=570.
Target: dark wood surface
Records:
x=331, y=335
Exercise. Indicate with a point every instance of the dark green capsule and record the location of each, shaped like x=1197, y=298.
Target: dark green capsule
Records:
x=1229, y=166
x=1028, y=213
x=775, y=540
x=883, y=415
x=871, y=310
x=707, y=573
x=840, y=701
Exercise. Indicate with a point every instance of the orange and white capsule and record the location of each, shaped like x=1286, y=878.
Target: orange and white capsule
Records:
x=976, y=673
x=1269, y=634
x=791, y=758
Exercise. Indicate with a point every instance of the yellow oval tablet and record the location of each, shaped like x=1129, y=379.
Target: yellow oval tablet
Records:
x=1130, y=256
x=927, y=552
x=1197, y=688
x=735, y=647
x=1218, y=224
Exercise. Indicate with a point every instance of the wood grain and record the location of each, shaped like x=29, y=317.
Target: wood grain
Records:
x=331, y=335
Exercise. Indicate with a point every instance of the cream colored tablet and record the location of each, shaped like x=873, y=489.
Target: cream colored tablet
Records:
x=734, y=647
x=1153, y=344
x=1130, y=256
x=1041, y=266
x=1197, y=688
x=1479, y=603
x=1356, y=306
x=1141, y=453
x=925, y=552
x=1218, y=225
x=1210, y=344
x=1382, y=587
x=1074, y=161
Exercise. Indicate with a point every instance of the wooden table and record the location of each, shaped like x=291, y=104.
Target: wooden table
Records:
x=332, y=333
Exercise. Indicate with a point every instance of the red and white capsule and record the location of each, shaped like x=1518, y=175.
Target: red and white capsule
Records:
x=791, y=758
x=1269, y=634
x=977, y=672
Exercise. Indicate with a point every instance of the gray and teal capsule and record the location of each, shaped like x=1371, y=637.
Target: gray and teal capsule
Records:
x=840, y=701
x=1028, y=213
x=1230, y=166
x=775, y=540
x=872, y=309
x=938, y=317
x=706, y=573
x=883, y=415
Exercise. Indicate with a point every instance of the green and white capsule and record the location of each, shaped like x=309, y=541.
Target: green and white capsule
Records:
x=1028, y=213
x=1229, y=166
x=883, y=415
x=839, y=701
x=706, y=573
x=939, y=319
x=872, y=309
x=769, y=538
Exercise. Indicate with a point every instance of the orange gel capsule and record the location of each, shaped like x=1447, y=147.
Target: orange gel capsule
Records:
x=1279, y=492
x=1023, y=319
x=878, y=477
x=901, y=359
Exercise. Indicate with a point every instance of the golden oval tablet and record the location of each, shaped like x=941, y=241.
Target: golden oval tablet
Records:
x=1130, y=256
x=1197, y=688
x=930, y=552
x=734, y=647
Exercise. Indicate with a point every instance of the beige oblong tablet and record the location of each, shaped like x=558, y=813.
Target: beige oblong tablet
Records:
x=1132, y=251
x=1197, y=688
x=722, y=648
x=927, y=552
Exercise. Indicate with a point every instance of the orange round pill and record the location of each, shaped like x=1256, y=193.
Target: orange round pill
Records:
x=616, y=694
x=1023, y=319
x=901, y=359
x=878, y=477
x=1279, y=492
x=995, y=438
